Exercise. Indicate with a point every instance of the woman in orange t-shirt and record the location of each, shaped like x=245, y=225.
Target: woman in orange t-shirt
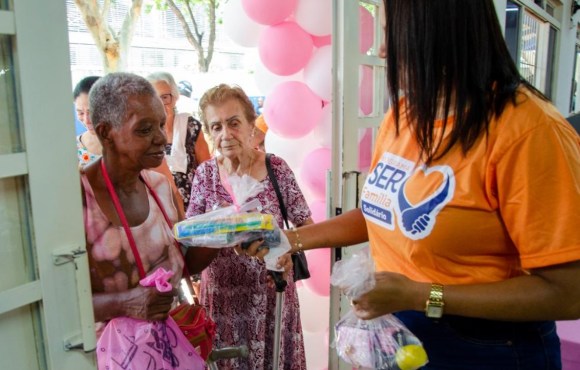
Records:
x=471, y=207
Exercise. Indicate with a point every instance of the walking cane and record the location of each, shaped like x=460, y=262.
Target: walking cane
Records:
x=280, y=284
x=224, y=353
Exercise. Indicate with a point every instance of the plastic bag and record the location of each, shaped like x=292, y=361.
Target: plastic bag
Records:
x=380, y=343
x=237, y=224
x=131, y=344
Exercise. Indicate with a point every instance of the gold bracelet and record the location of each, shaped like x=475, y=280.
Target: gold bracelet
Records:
x=297, y=243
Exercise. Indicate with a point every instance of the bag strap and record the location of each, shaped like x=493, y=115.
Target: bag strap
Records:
x=274, y=182
x=125, y=224
x=123, y=219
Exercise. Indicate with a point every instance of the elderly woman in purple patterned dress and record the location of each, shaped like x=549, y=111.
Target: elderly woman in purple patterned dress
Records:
x=234, y=287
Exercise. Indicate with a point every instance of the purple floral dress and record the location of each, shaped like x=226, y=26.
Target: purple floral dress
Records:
x=233, y=288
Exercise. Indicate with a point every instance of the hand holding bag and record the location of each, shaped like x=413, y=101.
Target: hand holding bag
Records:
x=298, y=258
x=192, y=319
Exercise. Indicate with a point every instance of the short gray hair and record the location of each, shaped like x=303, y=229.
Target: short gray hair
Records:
x=168, y=79
x=109, y=97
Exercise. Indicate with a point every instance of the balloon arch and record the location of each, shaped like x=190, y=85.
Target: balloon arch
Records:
x=293, y=40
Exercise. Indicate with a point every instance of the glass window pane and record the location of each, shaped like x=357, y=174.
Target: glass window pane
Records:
x=366, y=91
x=529, y=48
x=23, y=343
x=16, y=256
x=5, y=5
x=10, y=136
x=367, y=13
x=512, y=28
x=365, y=149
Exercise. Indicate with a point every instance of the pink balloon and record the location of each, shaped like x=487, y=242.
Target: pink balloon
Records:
x=366, y=31
x=365, y=150
x=319, y=266
x=318, y=209
x=314, y=168
x=320, y=41
x=365, y=90
x=285, y=48
x=264, y=12
x=292, y=110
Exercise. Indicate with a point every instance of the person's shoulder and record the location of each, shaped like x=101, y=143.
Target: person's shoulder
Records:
x=154, y=178
x=530, y=113
x=206, y=168
x=531, y=119
x=277, y=161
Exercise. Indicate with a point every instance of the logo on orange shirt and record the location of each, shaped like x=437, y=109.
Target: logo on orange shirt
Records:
x=412, y=195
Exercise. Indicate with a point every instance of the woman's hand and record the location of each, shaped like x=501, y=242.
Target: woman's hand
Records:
x=147, y=303
x=393, y=292
x=285, y=262
x=253, y=250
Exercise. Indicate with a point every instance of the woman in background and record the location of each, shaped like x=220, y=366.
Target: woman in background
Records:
x=234, y=288
x=88, y=146
x=186, y=147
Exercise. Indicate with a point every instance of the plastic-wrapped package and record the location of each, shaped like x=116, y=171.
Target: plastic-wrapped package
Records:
x=237, y=224
x=380, y=343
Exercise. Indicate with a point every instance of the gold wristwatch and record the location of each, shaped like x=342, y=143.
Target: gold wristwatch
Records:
x=434, y=305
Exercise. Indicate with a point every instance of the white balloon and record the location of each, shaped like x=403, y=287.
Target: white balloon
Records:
x=239, y=27
x=266, y=81
x=293, y=151
x=323, y=131
x=316, y=348
x=318, y=73
x=313, y=310
x=314, y=16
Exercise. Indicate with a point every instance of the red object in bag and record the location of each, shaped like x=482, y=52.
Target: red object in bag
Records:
x=196, y=325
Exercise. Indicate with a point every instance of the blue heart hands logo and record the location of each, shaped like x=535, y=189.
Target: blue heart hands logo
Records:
x=417, y=221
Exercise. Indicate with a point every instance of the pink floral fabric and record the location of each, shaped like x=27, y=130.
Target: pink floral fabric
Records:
x=233, y=288
x=112, y=264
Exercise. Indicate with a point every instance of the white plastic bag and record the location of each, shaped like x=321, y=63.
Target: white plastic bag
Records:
x=237, y=224
x=380, y=343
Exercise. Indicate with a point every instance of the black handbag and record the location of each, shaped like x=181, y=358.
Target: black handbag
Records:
x=298, y=258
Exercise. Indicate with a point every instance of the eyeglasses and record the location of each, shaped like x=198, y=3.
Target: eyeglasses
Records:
x=166, y=98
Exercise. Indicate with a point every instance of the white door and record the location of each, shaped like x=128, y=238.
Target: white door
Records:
x=358, y=109
x=46, y=319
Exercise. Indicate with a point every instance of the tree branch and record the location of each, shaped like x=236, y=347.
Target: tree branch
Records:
x=184, y=24
x=193, y=21
x=106, y=7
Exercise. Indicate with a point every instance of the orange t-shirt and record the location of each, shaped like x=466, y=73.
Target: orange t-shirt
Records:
x=512, y=203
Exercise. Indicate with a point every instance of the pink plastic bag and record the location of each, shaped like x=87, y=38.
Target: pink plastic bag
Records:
x=131, y=344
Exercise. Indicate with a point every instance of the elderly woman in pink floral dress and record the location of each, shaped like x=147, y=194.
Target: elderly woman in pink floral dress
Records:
x=234, y=287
